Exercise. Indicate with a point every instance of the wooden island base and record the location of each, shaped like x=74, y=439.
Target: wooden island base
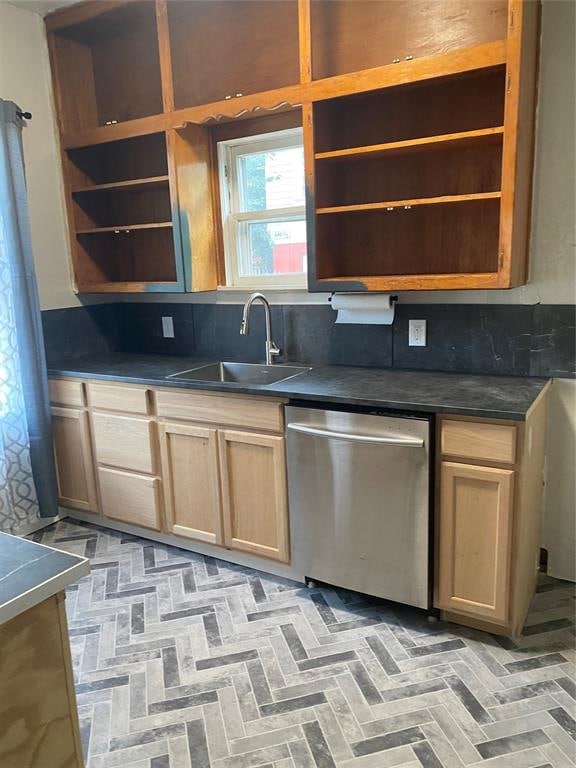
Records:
x=37, y=700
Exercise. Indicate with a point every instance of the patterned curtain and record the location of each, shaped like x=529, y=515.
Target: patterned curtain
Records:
x=27, y=477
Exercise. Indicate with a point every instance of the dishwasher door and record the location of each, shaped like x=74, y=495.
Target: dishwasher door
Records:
x=359, y=501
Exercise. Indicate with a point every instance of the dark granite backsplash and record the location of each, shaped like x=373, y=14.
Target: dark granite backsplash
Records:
x=510, y=339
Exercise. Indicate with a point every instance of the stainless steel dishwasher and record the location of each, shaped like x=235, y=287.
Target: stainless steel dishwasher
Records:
x=359, y=501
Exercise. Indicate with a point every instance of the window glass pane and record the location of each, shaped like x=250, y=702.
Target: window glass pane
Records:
x=277, y=248
x=273, y=179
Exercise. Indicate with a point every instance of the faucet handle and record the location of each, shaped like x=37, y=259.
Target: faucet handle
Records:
x=272, y=349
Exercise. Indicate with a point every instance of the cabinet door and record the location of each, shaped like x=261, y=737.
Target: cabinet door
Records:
x=253, y=476
x=73, y=458
x=475, y=523
x=130, y=498
x=190, y=479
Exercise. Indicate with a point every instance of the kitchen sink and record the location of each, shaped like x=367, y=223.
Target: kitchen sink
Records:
x=241, y=373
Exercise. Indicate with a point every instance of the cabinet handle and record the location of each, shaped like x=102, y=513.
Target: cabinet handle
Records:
x=412, y=442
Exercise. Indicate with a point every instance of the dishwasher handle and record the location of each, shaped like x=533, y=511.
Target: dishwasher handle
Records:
x=410, y=442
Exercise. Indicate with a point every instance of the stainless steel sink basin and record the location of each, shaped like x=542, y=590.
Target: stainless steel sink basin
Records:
x=241, y=373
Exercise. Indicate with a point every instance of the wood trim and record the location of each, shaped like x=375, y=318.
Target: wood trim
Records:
x=305, y=41
x=439, y=282
x=518, y=147
x=528, y=513
x=193, y=197
x=165, y=55
x=496, y=608
x=170, y=524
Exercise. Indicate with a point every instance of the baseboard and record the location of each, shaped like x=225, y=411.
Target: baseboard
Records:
x=220, y=553
x=42, y=522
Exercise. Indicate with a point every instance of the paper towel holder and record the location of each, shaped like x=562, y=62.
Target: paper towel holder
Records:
x=393, y=297
x=363, y=308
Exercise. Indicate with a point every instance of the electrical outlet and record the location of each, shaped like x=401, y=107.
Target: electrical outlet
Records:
x=168, y=327
x=416, y=333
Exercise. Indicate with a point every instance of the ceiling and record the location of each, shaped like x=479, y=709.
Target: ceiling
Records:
x=42, y=6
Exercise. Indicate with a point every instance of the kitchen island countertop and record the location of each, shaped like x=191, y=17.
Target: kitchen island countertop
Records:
x=30, y=573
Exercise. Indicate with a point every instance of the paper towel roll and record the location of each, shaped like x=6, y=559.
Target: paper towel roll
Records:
x=364, y=309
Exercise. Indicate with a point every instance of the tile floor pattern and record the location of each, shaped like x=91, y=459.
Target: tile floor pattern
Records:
x=184, y=661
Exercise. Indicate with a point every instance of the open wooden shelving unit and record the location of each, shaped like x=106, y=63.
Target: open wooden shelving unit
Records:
x=418, y=146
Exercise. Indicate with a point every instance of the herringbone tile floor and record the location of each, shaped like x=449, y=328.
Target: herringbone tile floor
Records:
x=183, y=661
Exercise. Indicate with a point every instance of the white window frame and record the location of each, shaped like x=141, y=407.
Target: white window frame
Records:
x=235, y=222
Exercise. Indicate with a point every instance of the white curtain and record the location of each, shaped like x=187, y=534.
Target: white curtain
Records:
x=27, y=479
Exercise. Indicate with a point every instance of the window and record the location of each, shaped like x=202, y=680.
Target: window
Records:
x=263, y=210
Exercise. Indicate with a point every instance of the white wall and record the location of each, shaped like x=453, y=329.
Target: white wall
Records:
x=25, y=79
x=559, y=520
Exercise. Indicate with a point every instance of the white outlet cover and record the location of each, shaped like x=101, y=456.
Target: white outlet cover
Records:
x=168, y=327
x=416, y=333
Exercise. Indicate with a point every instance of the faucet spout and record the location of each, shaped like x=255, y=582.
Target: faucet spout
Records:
x=271, y=348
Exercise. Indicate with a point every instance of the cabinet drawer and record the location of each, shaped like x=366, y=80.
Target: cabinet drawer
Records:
x=131, y=498
x=65, y=392
x=234, y=411
x=124, y=442
x=118, y=398
x=475, y=440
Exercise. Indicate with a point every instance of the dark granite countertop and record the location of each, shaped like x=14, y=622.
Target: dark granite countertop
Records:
x=31, y=573
x=505, y=397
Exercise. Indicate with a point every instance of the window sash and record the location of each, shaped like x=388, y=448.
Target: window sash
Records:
x=236, y=219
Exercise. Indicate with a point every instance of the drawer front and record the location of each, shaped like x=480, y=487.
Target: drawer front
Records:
x=118, y=398
x=124, y=442
x=130, y=498
x=66, y=392
x=245, y=412
x=475, y=440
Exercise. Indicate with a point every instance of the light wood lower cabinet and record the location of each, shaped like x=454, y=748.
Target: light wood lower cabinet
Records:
x=253, y=475
x=476, y=514
x=130, y=498
x=190, y=479
x=73, y=459
x=226, y=487
x=166, y=460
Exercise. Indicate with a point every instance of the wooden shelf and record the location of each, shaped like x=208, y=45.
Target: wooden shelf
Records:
x=130, y=286
x=151, y=182
x=123, y=228
x=444, y=200
x=464, y=139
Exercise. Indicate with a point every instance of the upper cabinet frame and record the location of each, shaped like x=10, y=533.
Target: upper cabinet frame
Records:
x=130, y=68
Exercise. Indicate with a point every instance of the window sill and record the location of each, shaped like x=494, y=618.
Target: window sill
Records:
x=262, y=289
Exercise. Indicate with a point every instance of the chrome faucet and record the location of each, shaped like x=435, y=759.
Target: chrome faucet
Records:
x=271, y=348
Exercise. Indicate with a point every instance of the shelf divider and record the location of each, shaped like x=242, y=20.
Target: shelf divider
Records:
x=150, y=182
x=443, y=200
x=480, y=137
x=123, y=228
